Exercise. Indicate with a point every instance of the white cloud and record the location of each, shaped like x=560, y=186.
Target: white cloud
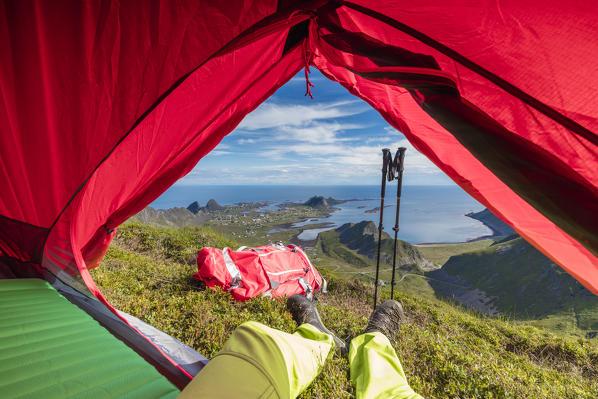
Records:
x=219, y=152
x=318, y=132
x=299, y=123
x=246, y=141
x=271, y=115
x=357, y=168
x=354, y=159
x=310, y=144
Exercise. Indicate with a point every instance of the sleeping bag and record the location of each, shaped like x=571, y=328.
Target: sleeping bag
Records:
x=269, y=270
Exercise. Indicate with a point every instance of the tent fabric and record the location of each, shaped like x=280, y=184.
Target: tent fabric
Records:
x=172, y=138
x=169, y=123
x=495, y=166
x=50, y=348
x=557, y=173
x=104, y=105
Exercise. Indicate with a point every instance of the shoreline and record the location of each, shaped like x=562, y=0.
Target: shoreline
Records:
x=496, y=232
x=434, y=244
x=422, y=244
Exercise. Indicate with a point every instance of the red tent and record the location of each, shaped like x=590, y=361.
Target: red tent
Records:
x=105, y=104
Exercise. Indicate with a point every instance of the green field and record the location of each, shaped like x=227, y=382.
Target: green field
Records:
x=446, y=351
x=439, y=254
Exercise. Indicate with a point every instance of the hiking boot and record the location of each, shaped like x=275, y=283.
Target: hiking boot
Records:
x=386, y=319
x=304, y=311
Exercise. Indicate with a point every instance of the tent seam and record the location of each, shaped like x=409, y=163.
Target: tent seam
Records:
x=161, y=98
x=513, y=90
x=22, y=222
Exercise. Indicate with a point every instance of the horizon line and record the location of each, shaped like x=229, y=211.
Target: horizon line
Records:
x=310, y=185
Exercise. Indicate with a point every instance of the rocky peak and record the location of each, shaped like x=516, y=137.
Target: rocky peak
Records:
x=212, y=205
x=317, y=202
x=194, y=207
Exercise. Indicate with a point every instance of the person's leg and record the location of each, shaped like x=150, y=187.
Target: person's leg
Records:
x=376, y=371
x=304, y=311
x=261, y=362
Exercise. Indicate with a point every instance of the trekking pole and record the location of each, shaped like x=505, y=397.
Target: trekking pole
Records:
x=385, y=157
x=398, y=164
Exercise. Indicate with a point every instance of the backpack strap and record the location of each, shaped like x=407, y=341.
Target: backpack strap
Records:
x=233, y=270
x=309, y=291
x=273, y=285
x=324, y=289
x=311, y=267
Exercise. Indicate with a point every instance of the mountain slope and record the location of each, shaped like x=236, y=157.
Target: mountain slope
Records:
x=517, y=280
x=320, y=201
x=357, y=244
x=173, y=217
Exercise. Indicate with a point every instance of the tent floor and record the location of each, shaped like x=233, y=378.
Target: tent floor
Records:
x=52, y=349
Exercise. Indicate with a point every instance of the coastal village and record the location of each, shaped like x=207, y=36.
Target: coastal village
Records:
x=253, y=222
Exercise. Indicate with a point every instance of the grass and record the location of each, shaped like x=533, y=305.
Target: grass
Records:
x=446, y=351
x=440, y=253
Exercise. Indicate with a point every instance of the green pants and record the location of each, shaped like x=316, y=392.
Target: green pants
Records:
x=261, y=362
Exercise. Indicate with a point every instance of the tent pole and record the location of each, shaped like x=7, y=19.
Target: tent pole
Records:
x=400, y=157
x=385, y=158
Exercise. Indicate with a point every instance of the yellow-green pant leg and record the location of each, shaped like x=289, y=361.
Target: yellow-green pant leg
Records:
x=228, y=377
x=376, y=371
x=260, y=362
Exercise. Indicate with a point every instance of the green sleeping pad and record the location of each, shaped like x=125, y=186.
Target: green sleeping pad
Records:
x=49, y=348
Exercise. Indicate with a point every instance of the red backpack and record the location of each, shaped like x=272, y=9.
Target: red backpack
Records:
x=269, y=270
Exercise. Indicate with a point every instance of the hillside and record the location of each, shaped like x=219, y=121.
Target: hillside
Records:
x=357, y=244
x=173, y=217
x=514, y=279
x=446, y=351
x=319, y=201
x=193, y=215
x=498, y=227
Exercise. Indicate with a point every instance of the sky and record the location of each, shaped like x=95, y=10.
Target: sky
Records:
x=333, y=139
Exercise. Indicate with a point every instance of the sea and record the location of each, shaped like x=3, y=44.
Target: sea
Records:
x=427, y=214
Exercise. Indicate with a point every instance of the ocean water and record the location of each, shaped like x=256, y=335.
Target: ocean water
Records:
x=427, y=213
